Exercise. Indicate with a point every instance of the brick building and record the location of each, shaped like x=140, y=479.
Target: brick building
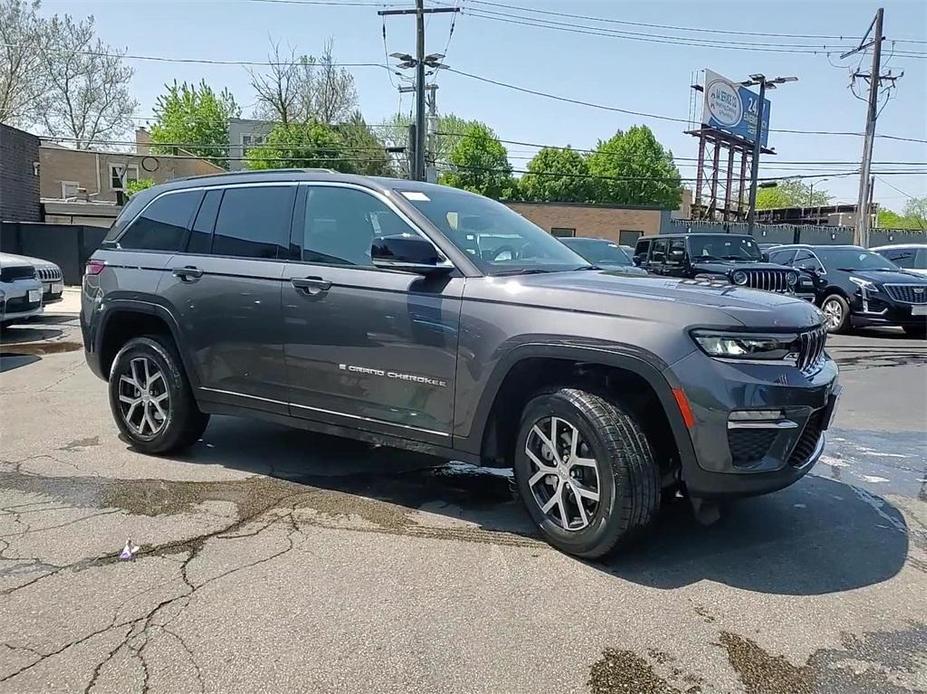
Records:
x=616, y=223
x=19, y=176
x=99, y=176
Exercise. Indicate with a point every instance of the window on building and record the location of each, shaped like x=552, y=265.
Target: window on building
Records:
x=254, y=221
x=162, y=226
x=628, y=237
x=121, y=174
x=562, y=232
x=251, y=140
x=69, y=189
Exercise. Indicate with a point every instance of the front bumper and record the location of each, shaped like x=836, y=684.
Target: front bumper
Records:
x=733, y=459
x=17, y=305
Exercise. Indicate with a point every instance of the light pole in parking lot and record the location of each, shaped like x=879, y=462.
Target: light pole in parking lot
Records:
x=765, y=84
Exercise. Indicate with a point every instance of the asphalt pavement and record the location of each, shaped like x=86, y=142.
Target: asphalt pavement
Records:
x=272, y=559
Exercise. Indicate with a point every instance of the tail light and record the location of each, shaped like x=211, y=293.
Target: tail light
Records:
x=94, y=267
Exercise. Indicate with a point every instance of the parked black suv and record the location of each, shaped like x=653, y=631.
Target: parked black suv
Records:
x=855, y=287
x=735, y=258
x=368, y=308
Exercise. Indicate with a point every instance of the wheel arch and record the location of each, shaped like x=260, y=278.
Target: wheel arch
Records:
x=634, y=379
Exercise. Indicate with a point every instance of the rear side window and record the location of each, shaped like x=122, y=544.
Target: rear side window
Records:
x=164, y=223
x=201, y=233
x=640, y=251
x=254, y=222
x=658, y=255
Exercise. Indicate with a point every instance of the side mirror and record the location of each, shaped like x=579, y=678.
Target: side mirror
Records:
x=764, y=257
x=408, y=253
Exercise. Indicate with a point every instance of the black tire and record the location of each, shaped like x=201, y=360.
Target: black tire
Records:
x=183, y=423
x=916, y=330
x=627, y=476
x=839, y=304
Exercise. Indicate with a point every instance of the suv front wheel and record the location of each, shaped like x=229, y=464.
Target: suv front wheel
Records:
x=585, y=471
x=151, y=399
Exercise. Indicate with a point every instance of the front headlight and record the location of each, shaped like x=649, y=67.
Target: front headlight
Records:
x=739, y=277
x=753, y=346
x=791, y=279
x=864, y=284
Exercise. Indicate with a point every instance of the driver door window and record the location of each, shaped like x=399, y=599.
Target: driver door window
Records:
x=806, y=260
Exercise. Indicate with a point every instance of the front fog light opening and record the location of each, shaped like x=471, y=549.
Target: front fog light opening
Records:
x=759, y=419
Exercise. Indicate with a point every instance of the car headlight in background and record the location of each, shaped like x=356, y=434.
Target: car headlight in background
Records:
x=865, y=285
x=739, y=277
x=791, y=279
x=753, y=346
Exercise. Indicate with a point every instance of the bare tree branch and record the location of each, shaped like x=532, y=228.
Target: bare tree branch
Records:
x=21, y=79
x=277, y=90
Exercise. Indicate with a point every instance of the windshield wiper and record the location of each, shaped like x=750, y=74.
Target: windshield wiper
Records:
x=586, y=267
x=523, y=271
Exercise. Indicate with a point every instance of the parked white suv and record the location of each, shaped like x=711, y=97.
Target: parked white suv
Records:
x=21, y=289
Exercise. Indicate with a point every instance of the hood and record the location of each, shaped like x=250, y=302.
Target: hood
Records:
x=683, y=303
x=726, y=266
x=8, y=259
x=888, y=276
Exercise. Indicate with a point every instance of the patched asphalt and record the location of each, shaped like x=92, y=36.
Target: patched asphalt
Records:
x=272, y=559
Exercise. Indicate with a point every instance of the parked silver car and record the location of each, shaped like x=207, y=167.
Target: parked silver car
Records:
x=48, y=273
x=21, y=288
x=908, y=256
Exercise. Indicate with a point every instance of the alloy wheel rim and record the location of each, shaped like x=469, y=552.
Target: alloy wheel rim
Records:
x=834, y=314
x=144, y=400
x=564, y=478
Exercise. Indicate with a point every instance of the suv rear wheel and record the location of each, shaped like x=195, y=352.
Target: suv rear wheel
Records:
x=585, y=471
x=151, y=399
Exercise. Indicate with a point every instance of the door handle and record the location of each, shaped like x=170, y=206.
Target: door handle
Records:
x=188, y=273
x=311, y=285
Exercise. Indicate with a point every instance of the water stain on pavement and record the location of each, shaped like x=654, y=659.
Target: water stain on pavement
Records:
x=39, y=349
x=762, y=673
x=625, y=672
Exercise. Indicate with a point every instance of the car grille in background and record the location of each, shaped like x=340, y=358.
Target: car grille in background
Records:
x=908, y=293
x=811, y=348
x=749, y=445
x=17, y=272
x=808, y=440
x=20, y=304
x=770, y=280
x=49, y=274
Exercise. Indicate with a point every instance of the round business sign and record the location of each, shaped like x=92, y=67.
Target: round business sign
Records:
x=724, y=102
x=150, y=164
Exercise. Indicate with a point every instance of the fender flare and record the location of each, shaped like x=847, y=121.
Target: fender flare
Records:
x=113, y=307
x=639, y=362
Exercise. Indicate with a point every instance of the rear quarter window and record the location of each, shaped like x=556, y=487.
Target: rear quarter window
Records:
x=163, y=225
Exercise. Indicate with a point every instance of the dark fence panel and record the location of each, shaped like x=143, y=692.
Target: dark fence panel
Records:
x=793, y=233
x=67, y=245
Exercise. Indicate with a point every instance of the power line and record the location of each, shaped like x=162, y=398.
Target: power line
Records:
x=655, y=116
x=731, y=32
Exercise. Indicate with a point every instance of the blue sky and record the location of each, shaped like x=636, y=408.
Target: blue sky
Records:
x=643, y=76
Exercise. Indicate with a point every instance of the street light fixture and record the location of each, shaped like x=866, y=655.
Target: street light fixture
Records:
x=765, y=84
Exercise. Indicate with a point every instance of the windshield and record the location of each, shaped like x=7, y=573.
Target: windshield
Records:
x=853, y=259
x=498, y=240
x=702, y=246
x=599, y=252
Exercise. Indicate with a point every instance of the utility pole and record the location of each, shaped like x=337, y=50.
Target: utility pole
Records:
x=419, y=62
x=765, y=84
x=861, y=238
x=431, y=130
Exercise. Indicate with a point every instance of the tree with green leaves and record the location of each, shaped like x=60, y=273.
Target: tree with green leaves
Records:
x=633, y=168
x=190, y=113
x=557, y=175
x=790, y=193
x=302, y=145
x=916, y=210
x=361, y=144
x=479, y=163
x=914, y=217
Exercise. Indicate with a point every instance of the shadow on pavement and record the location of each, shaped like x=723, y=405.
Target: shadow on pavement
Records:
x=819, y=536
x=24, y=333
x=10, y=361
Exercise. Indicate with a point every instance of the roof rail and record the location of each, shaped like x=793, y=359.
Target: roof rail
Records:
x=255, y=172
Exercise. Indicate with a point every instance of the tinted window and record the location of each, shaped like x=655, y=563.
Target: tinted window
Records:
x=341, y=224
x=599, y=252
x=658, y=254
x=163, y=224
x=805, y=260
x=921, y=262
x=853, y=259
x=498, y=240
x=640, y=250
x=201, y=233
x=254, y=222
x=902, y=257
x=677, y=252
x=728, y=247
x=782, y=257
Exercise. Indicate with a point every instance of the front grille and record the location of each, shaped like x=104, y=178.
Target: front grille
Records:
x=808, y=440
x=20, y=304
x=749, y=445
x=49, y=274
x=908, y=293
x=811, y=348
x=769, y=280
x=17, y=272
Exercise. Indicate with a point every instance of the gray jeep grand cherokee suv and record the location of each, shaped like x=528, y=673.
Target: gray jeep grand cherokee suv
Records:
x=383, y=310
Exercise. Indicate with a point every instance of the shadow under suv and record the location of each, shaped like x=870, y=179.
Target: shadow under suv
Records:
x=368, y=308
